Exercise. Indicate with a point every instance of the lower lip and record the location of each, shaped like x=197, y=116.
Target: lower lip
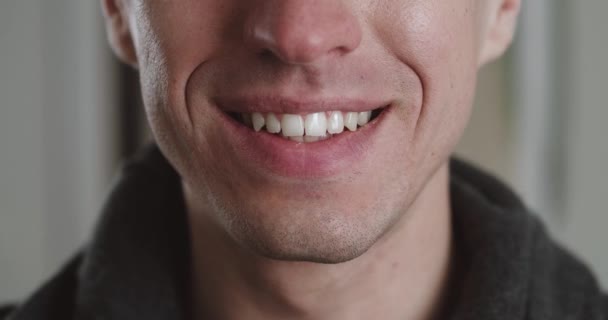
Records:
x=277, y=155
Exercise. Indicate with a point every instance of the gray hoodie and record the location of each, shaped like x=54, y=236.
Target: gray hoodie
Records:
x=136, y=264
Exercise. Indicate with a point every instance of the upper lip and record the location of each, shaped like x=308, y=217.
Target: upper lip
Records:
x=290, y=105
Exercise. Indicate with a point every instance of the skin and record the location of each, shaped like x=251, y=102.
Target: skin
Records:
x=372, y=241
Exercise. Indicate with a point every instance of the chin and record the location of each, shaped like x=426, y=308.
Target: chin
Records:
x=317, y=234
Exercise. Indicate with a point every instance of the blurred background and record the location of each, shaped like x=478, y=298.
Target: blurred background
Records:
x=69, y=113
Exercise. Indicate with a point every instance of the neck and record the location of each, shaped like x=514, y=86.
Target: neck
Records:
x=403, y=276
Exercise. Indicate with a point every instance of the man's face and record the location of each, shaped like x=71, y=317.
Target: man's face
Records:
x=205, y=63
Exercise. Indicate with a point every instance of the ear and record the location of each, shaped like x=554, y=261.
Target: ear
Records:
x=499, y=29
x=118, y=31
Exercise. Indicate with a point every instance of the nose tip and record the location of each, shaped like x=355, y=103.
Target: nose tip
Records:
x=302, y=31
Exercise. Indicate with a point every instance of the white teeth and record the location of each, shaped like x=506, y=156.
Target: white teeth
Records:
x=312, y=127
x=258, y=121
x=364, y=117
x=350, y=121
x=313, y=139
x=273, y=125
x=315, y=124
x=292, y=125
x=335, y=123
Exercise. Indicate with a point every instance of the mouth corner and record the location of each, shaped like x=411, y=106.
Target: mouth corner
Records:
x=376, y=112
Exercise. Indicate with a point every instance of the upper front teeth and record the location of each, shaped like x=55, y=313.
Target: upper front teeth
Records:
x=315, y=124
x=273, y=124
x=351, y=120
x=292, y=125
x=335, y=124
x=258, y=121
x=318, y=124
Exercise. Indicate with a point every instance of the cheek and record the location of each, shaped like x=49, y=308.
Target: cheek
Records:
x=438, y=40
x=173, y=39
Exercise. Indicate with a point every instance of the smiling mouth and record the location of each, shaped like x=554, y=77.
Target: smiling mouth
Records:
x=307, y=128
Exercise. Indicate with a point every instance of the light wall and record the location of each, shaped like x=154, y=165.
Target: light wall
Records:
x=56, y=137
x=584, y=227
x=22, y=236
